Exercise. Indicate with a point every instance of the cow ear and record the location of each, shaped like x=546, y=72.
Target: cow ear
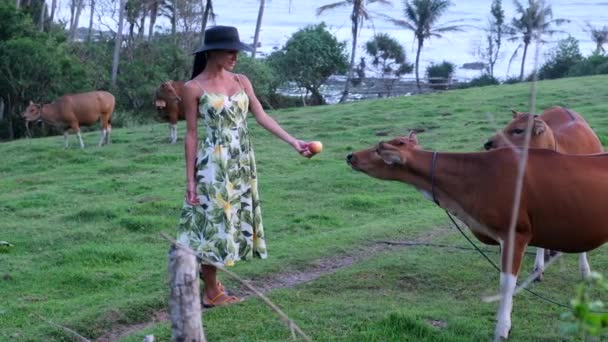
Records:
x=515, y=113
x=539, y=127
x=391, y=157
x=31, y=103
x=413, y=137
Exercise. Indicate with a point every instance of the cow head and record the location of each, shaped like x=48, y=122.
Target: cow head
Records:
x=165, y=93
x=32, y=112
x=381, y=160
x=515, y=132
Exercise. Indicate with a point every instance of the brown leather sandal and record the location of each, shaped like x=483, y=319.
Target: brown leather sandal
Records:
x=219, y=300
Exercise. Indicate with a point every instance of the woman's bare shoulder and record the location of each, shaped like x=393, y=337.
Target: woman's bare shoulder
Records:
x=193, y=87
x=243, y=79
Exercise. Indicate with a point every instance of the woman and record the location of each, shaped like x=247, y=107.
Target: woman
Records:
x=221, y=217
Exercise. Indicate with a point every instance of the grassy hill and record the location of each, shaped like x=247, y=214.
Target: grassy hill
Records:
x=87, y=252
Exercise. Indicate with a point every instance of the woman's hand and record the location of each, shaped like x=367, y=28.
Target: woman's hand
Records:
x=302, y=148
x=191, y=197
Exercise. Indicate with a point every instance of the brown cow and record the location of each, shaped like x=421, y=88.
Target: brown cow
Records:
x=168, y=102
x=479, y=189
x=74, y=110
x=559, y=129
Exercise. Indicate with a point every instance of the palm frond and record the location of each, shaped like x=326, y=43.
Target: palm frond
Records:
x=335, y=5
x=400, y=22
x=453, y=28
x=382, y=2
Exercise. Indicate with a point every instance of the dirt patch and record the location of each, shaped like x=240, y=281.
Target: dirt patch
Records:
x=437, y=324
x=283, y=280
x=120, y=331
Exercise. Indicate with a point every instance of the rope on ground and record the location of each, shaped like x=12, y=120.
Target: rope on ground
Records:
x=438, y=245
x=72, y=332
x=528, y=282
x=294, y=328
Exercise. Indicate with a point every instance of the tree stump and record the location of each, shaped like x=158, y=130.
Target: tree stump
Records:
x=184, y=298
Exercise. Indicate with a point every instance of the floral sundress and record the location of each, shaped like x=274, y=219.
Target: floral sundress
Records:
x=227, y=225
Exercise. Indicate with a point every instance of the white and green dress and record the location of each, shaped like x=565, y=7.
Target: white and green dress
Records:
x=227, y=225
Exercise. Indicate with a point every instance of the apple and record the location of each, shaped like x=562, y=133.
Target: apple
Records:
x=315, y=147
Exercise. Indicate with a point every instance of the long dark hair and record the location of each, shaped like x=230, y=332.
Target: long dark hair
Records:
x=200, y=62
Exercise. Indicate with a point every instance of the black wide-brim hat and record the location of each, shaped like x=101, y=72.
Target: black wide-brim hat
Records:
x=222, y=38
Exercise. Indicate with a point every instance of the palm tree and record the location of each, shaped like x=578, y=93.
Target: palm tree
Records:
x=359, y=14
x=532, y=23
x=258, y=25
x=154, y=6
x=90, y=32
x=599, y=37
x=207, y=14
x=118, y=42
x=421, y=17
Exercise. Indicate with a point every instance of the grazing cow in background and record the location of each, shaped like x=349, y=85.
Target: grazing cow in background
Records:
x=168, y=102
x=74, y=110
x=562, y=207
x=558, y=129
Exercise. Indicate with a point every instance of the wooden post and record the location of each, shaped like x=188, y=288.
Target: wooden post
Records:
x=184, y=298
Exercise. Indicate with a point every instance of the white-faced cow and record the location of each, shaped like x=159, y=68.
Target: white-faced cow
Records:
x=74, y=110
x=558, y=129
x=562, y=207
x=168, y=102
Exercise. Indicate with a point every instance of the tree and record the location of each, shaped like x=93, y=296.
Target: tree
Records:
x=207, y=14
x=75, y=10
x=53, y=8
x=421, y=17
x=561, y=60
x=533, y=22
x=494, y=37
x=90, y=33
x=34, y=66
x=388, y=58
x=599, y=37
x=309, y=57
x=154, y=6
x=358, y=16
x=117, y=42
x=258, y=26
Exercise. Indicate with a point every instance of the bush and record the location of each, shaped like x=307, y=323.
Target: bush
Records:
x=262, y=76
x=595, y=64
x=561, y=59
x=440, y=74
x=512, y=80
x=481, y=81
x=138, y=78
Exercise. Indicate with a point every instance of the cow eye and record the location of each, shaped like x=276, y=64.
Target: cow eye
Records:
x=401, y=143
x=517, y=131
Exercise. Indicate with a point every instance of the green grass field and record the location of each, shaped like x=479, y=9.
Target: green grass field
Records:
x=88, y=255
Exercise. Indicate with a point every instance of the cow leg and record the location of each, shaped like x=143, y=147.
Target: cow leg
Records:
x=80, y=138
x=66, y=136
x=173, y=131
x=539, y=263
x=108, y=133
x=102, y=139
x=583, y=264
x=508, y=281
